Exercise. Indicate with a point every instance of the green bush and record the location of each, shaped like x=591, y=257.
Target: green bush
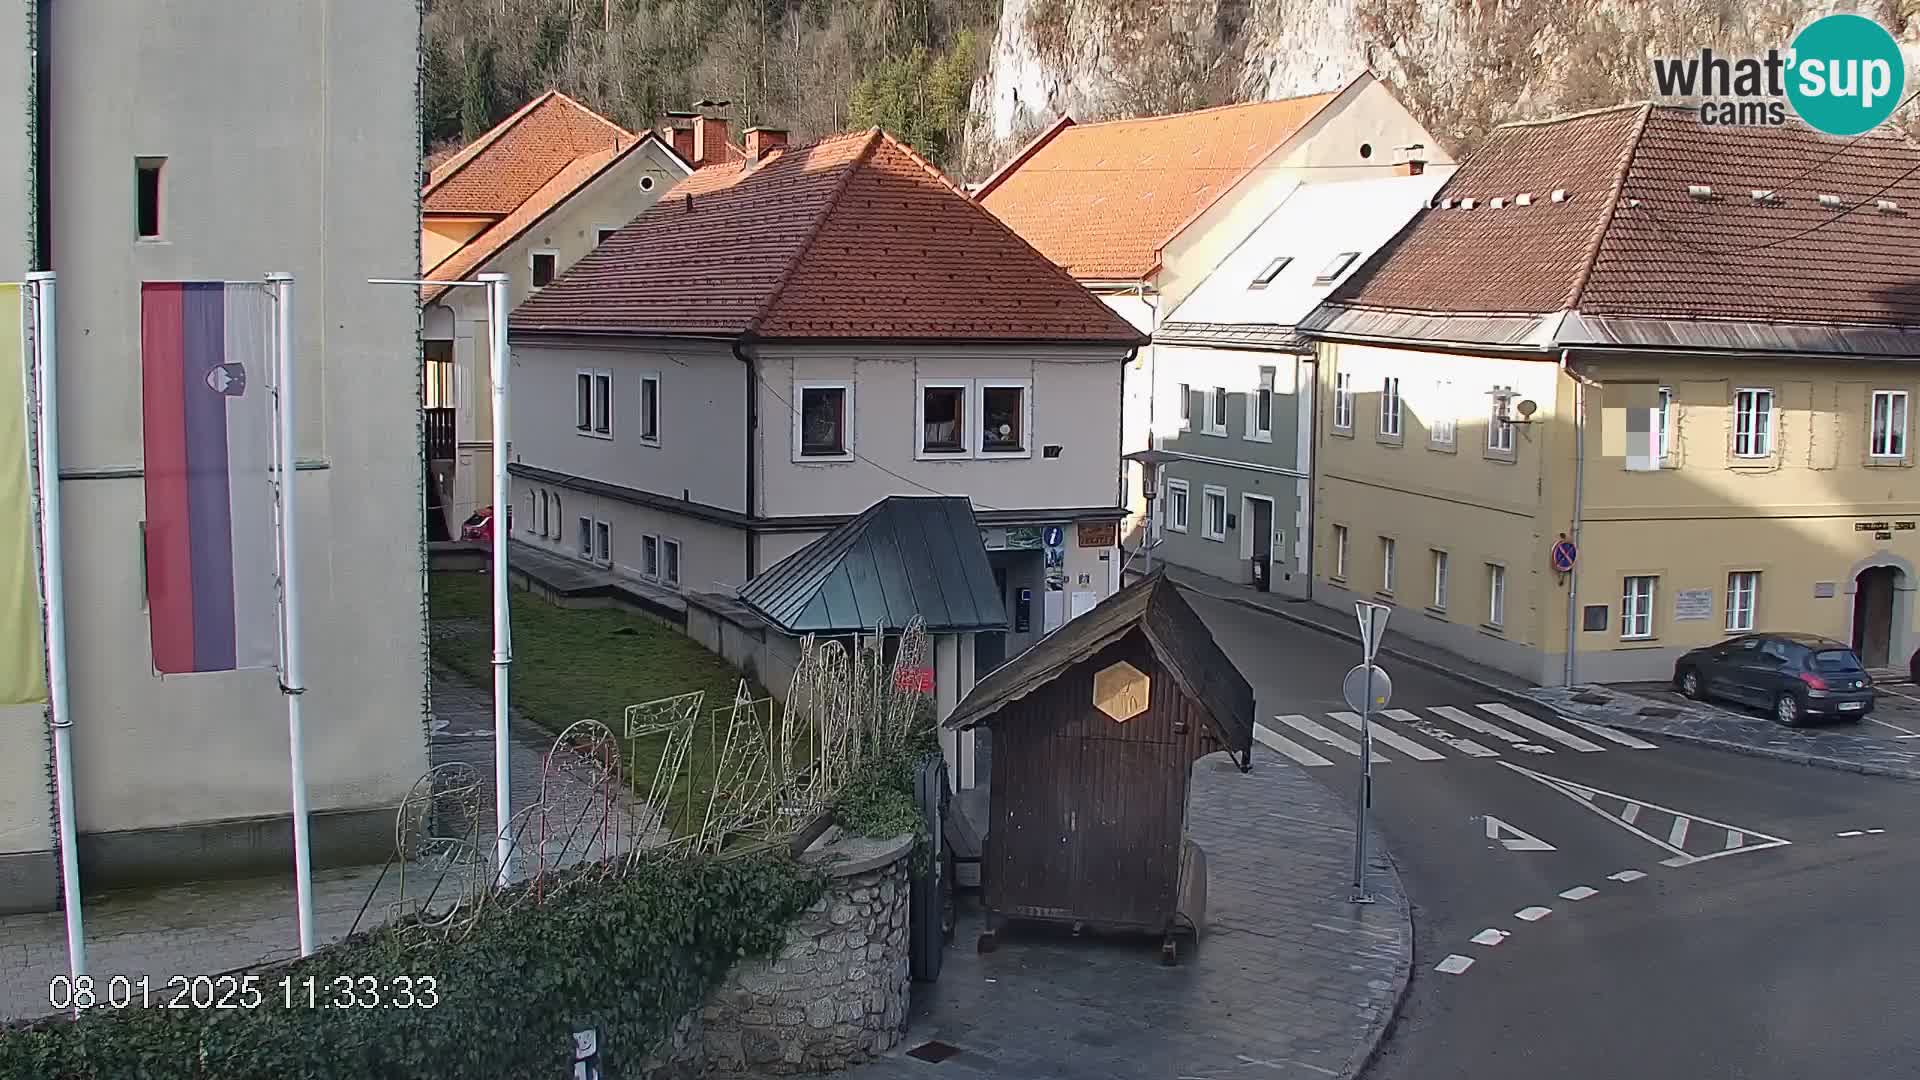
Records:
x=625, y=956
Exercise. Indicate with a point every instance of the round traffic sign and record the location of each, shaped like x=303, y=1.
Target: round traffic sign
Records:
x=1053, y=536
x=1354, y=688
x=1564, y=555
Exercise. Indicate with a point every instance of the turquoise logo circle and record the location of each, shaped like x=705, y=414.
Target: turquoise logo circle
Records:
x=1847, y=74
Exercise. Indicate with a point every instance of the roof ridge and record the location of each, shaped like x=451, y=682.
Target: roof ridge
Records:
x=1335, y=92
x=828, y=205
x=1606, y=220
x=467, y=153
x=1562, y=118
x=594, y=113
x=1024, y=155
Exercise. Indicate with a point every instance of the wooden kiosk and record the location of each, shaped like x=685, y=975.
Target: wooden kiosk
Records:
x=1095, y=731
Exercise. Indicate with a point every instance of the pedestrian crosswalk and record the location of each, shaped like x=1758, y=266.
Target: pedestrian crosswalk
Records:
x=1435, y=733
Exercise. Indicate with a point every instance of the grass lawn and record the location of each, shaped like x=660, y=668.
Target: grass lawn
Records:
x=574, y=664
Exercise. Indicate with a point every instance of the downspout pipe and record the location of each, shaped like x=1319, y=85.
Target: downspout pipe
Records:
x=753, y=439
x=1570, y=671
x=1313, y=468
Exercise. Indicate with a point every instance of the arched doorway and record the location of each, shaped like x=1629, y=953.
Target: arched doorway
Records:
x=1882, y=591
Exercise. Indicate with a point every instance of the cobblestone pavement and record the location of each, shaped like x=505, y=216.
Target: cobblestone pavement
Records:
x=1728, y=729
x=1291, y=980
x=214, y=927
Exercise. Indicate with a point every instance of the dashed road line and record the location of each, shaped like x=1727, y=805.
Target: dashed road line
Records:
x=1454, y=964
x=1677, y=836
x=1631, y=814
x=1626, y=875
x=1489, y=937
x=1532, y=914
x=1852, y=832
x=1578, y=892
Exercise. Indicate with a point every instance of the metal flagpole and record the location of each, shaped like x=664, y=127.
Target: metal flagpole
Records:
x=498, y=303
x=291, y=679
x=40, y=286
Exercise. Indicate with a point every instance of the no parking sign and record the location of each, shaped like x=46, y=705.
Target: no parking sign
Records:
x=1565, y=554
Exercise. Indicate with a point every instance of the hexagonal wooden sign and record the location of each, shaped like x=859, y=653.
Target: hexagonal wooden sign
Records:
x=1121, y=691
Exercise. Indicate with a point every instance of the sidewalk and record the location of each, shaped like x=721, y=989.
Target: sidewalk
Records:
x=1610, y=706
x=208, y=928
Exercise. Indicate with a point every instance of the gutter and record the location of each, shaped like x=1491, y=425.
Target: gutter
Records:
x=1313, y=472
x=753, y=432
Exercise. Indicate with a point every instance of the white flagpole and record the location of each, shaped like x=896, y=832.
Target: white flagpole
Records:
x=291, y=679
x=497, y=308
x=40, y=285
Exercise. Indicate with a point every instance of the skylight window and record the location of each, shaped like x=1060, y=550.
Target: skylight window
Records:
x=1272, y=270
x=1337, y=267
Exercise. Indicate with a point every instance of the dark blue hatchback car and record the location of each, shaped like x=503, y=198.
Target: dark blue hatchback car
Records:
x=1796, y=677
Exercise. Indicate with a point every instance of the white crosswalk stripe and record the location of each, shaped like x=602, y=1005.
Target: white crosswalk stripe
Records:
x=1398, y=742
x=1387, y=726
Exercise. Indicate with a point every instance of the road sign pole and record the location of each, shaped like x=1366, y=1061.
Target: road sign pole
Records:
x=1360, y=894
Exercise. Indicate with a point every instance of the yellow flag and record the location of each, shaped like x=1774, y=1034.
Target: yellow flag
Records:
x=23, y=677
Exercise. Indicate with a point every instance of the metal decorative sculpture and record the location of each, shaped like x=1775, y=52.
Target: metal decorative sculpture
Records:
x=443, y=847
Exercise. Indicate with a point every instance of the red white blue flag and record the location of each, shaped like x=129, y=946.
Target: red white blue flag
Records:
x=205, y=349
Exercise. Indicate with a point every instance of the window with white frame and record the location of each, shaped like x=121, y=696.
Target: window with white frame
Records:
x=1496, y=595
x=1214, y=508
x=545, y=266
x=1499, y=421
x=650, y=557
x=1186, y=407
x=1440, y=428
x=650, y=409
x=1889, y=439
x=1663, y=425
x=1390, y=407
x=943, y=418
x=541, y=515
x=559, y=518
x=585, y=538
x=1213, y=404
x=822, y=421
x=1270, y=271
x=1340, y=552
x=670, y=561
x=1439, y=579
x=1743, y=599
x=602, y=542
x=1177, y=506
x=593, y=402
x=1343, y=400
x=603, y=233
x=1260, y=409
x=1636, y=607
x=1752, y=423
x=1005, y=408
x=1388, y=549
x=1335, y=267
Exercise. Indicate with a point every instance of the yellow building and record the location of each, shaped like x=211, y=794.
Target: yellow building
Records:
x=1686, y=351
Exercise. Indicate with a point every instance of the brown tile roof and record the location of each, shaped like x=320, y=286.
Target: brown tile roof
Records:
x=852, y=237
x=1103, y=199
x=503, y=168
x=1630, y=241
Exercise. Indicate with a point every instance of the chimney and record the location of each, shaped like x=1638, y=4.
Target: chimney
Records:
x=709, y=141
x=762, y=141
x=1410, y=160
x=679, y=131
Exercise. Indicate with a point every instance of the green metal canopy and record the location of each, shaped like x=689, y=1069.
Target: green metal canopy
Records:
x=904, y=556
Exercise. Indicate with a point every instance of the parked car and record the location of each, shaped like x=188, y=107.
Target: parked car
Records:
x=479, y=527
x=1796, y=677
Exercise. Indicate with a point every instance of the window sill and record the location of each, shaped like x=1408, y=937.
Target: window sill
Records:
x=1887, y=462
x=923, y=454
x=1443, y=448
x=1181, y=529
x=1492, y=630
x=1390, y=440
x=1752, y=464
x=151, y=241
x=1502, y=457
x=1637, y=642
x=1210, y=432
x=1384, y=594
x=605, y=435
x=818, y=459
x=653, y=442
x=1343, y=432
x=1267, y=438
x=1436, y=612
x=1003, y=455
x=1337, y=579
x=1221, y=539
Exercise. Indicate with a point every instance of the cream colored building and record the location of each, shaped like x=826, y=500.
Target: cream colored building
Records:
x=197, y=140
x=1609, y=330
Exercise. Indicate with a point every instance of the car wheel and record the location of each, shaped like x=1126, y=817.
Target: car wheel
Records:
x=1786, y=709
x=1689, y=683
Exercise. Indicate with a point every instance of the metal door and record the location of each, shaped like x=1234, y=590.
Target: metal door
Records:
x=1262, y=544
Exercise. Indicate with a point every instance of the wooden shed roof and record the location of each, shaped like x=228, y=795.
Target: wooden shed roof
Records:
x=1179, y=640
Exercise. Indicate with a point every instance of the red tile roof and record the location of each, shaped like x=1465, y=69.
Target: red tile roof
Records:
x=500, y=170
x=1103, y=199
x=1630, y=240
x=854, y=237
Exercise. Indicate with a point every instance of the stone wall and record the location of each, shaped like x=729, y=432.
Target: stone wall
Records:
x=837, y=993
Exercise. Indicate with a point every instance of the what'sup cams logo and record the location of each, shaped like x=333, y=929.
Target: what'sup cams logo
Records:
x=1843, y=75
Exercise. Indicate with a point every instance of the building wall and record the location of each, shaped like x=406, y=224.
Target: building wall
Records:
x=443, y=234
x=1481, y=508
x=1075, y=404
x=1281, y=460
x=248, y=105
x=712, y=556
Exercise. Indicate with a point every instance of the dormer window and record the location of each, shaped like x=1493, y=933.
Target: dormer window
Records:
x=1272, y=270
x=1337, y=267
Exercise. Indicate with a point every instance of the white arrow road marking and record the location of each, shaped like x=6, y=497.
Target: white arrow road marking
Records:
x=1273, y=740
x=1541, y=727
x=1473, y=723
x=1399, y=742
x=1626, y=875
x=1584, y=796
x=1438, y=734
x=1316, y=731
x=1532, y=914
x=1515, y=839
x=1454, y=964
x=1578, y=892
x=1489, y=937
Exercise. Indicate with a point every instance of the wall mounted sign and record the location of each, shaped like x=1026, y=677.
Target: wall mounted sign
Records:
x=1054, y=535
x=1692, y=605
x=1099, y=534
x=1823, y=590
x=1565, y=555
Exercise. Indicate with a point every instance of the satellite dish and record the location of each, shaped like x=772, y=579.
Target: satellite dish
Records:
x=1527, y=408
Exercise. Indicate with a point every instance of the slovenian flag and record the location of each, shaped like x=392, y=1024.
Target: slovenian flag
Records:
x=23, y=678
x=208, y=430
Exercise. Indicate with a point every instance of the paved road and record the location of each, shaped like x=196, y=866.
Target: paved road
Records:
x=1706, y=947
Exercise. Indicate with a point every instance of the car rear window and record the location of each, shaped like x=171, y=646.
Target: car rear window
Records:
x=1836, y=660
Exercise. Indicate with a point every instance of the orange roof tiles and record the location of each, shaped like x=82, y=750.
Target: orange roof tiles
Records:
x=854, y=237
x=503, y=168
x=1102, y=199
x=1630, y=240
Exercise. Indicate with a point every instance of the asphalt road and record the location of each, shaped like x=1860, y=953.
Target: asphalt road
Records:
x=1751, y=959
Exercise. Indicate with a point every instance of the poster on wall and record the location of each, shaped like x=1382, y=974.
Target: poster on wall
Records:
x=1692, y=605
